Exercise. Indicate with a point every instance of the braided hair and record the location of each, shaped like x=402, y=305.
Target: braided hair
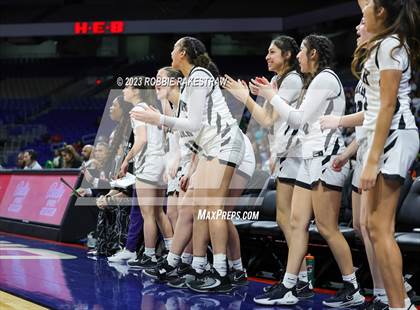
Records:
x=197, y=54
x=325, y=50
x=121, y=133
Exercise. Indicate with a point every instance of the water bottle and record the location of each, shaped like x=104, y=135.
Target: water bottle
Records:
x=91, y=241
x=310, y=266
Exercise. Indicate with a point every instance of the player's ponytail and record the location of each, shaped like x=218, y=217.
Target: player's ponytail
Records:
x=197, y=55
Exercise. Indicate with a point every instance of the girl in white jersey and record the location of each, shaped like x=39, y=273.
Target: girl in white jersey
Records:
x=318, y=186
x=148, y=155
x=284, y=141
x=359, y=208
x=215, y=136
x=168, y=91
x=390, y=138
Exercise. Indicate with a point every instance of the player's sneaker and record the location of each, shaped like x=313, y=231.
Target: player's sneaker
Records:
x=348, y=296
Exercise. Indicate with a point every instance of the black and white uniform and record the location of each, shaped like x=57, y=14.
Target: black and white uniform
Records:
x=402, y=144
x=284, y=141
x=174, y=184
x=360, y=101
x=149, y=164
x=324, y=96
x=209, y=127
x=247, y=165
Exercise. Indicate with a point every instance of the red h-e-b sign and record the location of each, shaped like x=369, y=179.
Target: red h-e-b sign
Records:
x=99, y=27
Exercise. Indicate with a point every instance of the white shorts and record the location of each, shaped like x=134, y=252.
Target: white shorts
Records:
x=319, y=169
x=400, y=151
x=228, y=145
x=174, y=184
x=287, y=169
x=247, y=166
x=357, y=172
x=151, y=170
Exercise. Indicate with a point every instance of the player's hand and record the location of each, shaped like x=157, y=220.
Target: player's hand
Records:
x=148, y=115
x=339, y=162
x=369, y=176
x=183, y=183
x=101, y=202
x=81, y=191
x=265, y=89
x=238, y=88
x=123, y=169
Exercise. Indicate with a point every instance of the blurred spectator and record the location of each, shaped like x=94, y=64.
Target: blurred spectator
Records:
x=86, y=152
x=95, y=180
x=20, y=162
x=58, y=159
x=30, y=156
x=70, y=157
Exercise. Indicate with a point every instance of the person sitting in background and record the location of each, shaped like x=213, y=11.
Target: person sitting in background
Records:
x=94, y=174
x=58, y=159
x=70, y=157
x=86, y=152
x=20, y=161
x=29, y=157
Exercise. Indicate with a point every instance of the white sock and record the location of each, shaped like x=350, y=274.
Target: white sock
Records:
x=236, y=264
x=199, y=263
x=289, y=280
x=351, y=278
x=173, y=259
x=168, y=243
x=407, y=303
x=219, y=263
x=187, y=258
x=397, y=308
x=151, y=253
x=303, y=276
x=380, y=293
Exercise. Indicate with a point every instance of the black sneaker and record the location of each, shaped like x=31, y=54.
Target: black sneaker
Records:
x=266, y=289
x=278, y=295
x=377, y=304
x=163, y=256
x=162, y=272
x=143, y=262
x=304, y=290
x=238, y=277
x=183, y=269
x=212, y=282
x=348, y=296
x=186, y=274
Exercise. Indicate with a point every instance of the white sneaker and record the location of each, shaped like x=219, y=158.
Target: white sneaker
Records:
x=122, y=256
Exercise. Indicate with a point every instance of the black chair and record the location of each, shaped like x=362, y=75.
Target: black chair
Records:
x=408, y=220
x=267, y=224
x=252, y=201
